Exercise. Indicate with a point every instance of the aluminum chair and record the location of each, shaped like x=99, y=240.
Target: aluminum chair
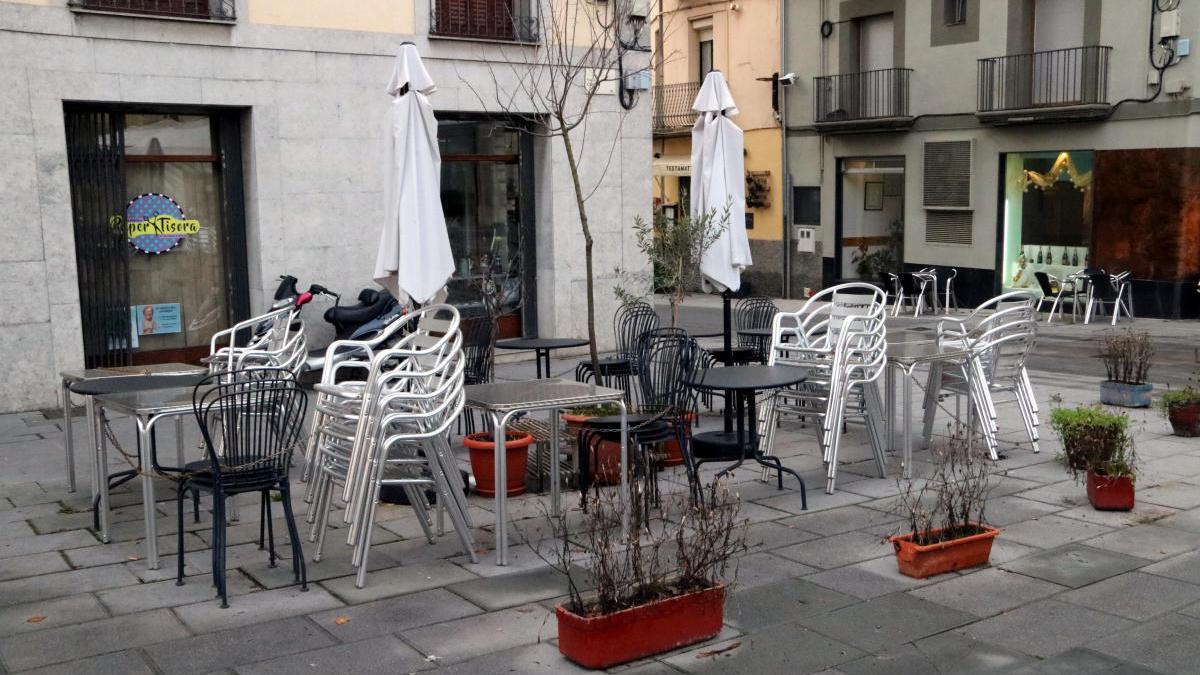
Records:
x=949, y=295
x=839, y=336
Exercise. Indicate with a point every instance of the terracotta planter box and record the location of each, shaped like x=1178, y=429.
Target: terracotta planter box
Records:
x=638, y=632
x=1125, y=395
x=1107, y=493
x=1185, y=419
x=483, y=461
x=947, y=556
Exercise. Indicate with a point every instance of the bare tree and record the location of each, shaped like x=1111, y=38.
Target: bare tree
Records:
x=551, y=91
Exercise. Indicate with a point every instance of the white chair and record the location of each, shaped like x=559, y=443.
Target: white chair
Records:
x=839, y=336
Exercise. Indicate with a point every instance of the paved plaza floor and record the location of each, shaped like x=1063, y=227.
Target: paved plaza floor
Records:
x=1068, y=590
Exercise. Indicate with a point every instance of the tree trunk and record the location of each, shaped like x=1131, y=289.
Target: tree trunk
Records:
x=581, y=204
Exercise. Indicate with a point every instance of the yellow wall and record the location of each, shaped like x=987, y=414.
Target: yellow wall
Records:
x=382, y=16
x=762, y=154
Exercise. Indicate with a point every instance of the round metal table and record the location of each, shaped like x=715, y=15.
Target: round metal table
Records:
x=739, y=441
x=541, y=348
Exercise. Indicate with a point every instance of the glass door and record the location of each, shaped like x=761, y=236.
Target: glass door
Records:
x=181, y=259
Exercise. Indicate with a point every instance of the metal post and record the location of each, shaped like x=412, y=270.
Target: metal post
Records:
x=68, y=438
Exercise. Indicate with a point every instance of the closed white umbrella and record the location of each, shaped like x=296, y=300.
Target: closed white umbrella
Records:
x=719, y=189
x=414, y=260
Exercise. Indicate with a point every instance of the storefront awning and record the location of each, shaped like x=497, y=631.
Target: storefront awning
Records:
x=680, y=165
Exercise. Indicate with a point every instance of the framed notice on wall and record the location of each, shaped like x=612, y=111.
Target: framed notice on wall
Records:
x=160, y=319
x=873, y=196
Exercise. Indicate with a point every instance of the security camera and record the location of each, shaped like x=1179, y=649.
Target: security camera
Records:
x=787, y=80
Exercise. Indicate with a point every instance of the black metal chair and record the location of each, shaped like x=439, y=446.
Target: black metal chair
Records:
x=891, y=288
x=1064, y=293
x=479, y=336
x=754, y=312
x=912, y=290
x=251, y=422
x=1103, y=291
x=630, y=322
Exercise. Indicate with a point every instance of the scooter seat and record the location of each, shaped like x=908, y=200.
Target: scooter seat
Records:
x=360, y=313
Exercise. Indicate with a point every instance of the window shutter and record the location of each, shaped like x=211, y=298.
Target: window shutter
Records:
x=949, y=227
x=947, y=175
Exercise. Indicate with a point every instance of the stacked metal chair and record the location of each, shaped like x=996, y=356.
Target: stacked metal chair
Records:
x=840, y=338
x=392, y=429
x=1000, y=335
x=276, y=340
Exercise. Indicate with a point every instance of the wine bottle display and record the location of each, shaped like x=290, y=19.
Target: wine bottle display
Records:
x=1075, y=258
x=1041, y=258
x=1065, y=261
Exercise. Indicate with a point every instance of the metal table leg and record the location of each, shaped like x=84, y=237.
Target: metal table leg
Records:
x=555, y=480
x=624, y=488
x=179, y=455
x=889, y=404
x=100, y=453
x=68, y=437
x=907, y=426
x=145, y=426
x=500, y=461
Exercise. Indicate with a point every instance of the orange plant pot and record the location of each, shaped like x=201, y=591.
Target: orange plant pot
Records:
x=1107, y=493
x=638, y=632
x=483, y=461
x=920, y=562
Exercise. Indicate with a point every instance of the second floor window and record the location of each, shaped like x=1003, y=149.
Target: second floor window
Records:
x=706, y=56
x=954, y=12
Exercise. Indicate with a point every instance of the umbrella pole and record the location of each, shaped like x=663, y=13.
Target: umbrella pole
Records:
x=727, y=355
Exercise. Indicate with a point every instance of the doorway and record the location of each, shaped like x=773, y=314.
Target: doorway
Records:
x=870, y=217
x=159, y=229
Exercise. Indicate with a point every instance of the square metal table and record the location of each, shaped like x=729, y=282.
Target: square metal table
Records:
x=504, y=400
x=147, y=408
x=907, y=349
x=70, y=377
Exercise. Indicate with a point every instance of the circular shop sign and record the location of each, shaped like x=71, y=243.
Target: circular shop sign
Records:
x=156, y=223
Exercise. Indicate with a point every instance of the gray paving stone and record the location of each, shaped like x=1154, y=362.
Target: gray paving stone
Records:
x=780, y=602
x=1184, y=567
x=11, y=548
x=1004, y=551
x=838, y=550
x=1075, y=565
x=1081, y=661
x=80, y=641
x=1135, y=595
x=536, y=658
x=134, y=551
x=59, y=584
x=82, y=520
x=9, y=513
x=1143, y=513
x=1176, y=494
x=1051, y=531
x=785, y=648
x=987, y=592
x=819, y=501
x=1047, y=627
x=393, y=615
x=1180, y=465
x=1166, y=644
x=846, y=519
x=205, y=617
x=407, y=578
x=757, y=569
x=384, y=654
x=520, y=588
x=1153, y=542
x=230, y=648
x=883, y=622
x=776, y=534
x=1065, y=494
x=1182, y=520
x=868, y=579
x=165, y=593
x=1004, y=485
x=944, y=653
x=30, y=565
x=128, y=662
x=473, y=636
x=1045, y=472
x=1004, y=511
x=44, y=614
x=335, y=563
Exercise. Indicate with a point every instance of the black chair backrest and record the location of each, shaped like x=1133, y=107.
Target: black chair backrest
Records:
x=1102, y=286
x=251, y=421
x=889, y=282
x=479, y=332
x=1043, y=280
x=667, y=361
x=754, y=312
x=630, y=323
x=909, y=284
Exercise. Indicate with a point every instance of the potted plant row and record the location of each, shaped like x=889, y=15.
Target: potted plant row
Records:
x=661, y=588
x=1127, y=360
x=1097, y=446
x=944, y=514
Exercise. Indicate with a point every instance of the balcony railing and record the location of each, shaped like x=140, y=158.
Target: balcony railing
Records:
x=870, y=98
x=505, y=20
x=207, y=10
x=1061, y=78
x=673, y=106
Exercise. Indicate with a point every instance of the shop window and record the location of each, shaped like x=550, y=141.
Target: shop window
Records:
x=1048, y=199
x=806, y=205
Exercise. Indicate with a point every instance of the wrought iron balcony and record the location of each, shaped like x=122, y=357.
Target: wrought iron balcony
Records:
x=873, y=99
x=505, y=20
x=205, y=10
x=673, y=107
x=1058, y=84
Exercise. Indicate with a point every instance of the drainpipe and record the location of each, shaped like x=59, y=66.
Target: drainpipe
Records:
x=785, y=174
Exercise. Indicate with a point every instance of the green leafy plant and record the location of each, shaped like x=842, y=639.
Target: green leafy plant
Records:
x=674, y=247
x=1096, y=440
x=598, y=410
x=1127, y=356
x=1179, y=398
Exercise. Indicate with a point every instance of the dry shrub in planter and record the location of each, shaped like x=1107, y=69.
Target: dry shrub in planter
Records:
x=1127, y=360
x=660, y=589
x=945, y=513
x=1098, y=446
x=1182, y=408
